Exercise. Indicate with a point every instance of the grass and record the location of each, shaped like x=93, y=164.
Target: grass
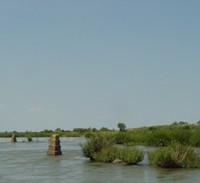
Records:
x=174, y=156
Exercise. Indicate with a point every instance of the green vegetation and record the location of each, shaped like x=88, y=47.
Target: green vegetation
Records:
x=175, y=143
x=174, y=156
x=107, y=154
x=47, y=133
x=100, y=147
x=161, y=136
x=131, y=156
x=157, y=136
x=76, y=132
x=95, y=144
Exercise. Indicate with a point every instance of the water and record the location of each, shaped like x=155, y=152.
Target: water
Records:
x=27, y=162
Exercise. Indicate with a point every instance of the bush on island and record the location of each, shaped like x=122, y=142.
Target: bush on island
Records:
x=95, y=144
x=174, y=156
x=101, y=148
x=129, y=156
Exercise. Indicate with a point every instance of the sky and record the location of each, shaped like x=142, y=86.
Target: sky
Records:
x=94, y=63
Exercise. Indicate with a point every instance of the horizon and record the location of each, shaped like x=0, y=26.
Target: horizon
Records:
x=99, y=129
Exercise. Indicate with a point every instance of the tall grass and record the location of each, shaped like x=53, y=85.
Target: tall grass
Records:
x=160, y=136
x=174, y=156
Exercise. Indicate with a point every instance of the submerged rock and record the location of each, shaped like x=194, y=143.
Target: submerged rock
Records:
x=54, y=145
x=116, y=161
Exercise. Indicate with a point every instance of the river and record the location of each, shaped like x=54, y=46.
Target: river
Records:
x=27, y=162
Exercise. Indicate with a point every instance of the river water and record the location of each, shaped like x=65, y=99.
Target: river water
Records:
x=27, y=162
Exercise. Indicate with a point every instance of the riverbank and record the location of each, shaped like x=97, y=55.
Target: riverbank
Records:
x=183, y=133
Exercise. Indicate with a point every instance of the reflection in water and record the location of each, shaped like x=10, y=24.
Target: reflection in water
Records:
x=28, y=162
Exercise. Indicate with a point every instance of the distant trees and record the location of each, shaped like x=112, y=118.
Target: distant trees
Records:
x=179, y=123
x=122, y=127
x=84, y=130
x=104, y=129
x=198, y=122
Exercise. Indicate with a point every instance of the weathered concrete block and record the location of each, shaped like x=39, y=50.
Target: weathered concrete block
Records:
x=54, y=142
x=54, y=148
x=54, y=153
x=54, y=145
x=13, y=138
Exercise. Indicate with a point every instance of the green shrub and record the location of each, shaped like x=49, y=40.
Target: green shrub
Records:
x=107, y=155
x=100, y=147
x=96, y=143
x=89, y=134
x=158, y=137
x=131, y=156
x=122, y=137
x=174, y=156
x=195, y=138
x=181, y=135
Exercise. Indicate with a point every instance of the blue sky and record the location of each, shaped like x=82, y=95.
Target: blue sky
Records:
x=95, y=63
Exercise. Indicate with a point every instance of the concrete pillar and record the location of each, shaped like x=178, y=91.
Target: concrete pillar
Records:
x=13, y=138
x=54, y=145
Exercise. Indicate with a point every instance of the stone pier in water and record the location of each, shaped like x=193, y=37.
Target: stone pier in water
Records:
x=13, y=138
x=54, y=145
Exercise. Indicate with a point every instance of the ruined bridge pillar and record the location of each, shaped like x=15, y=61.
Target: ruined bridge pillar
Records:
x=54, y=145
x=13, y=138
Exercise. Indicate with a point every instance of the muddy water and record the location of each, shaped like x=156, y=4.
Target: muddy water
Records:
x=27, y=162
